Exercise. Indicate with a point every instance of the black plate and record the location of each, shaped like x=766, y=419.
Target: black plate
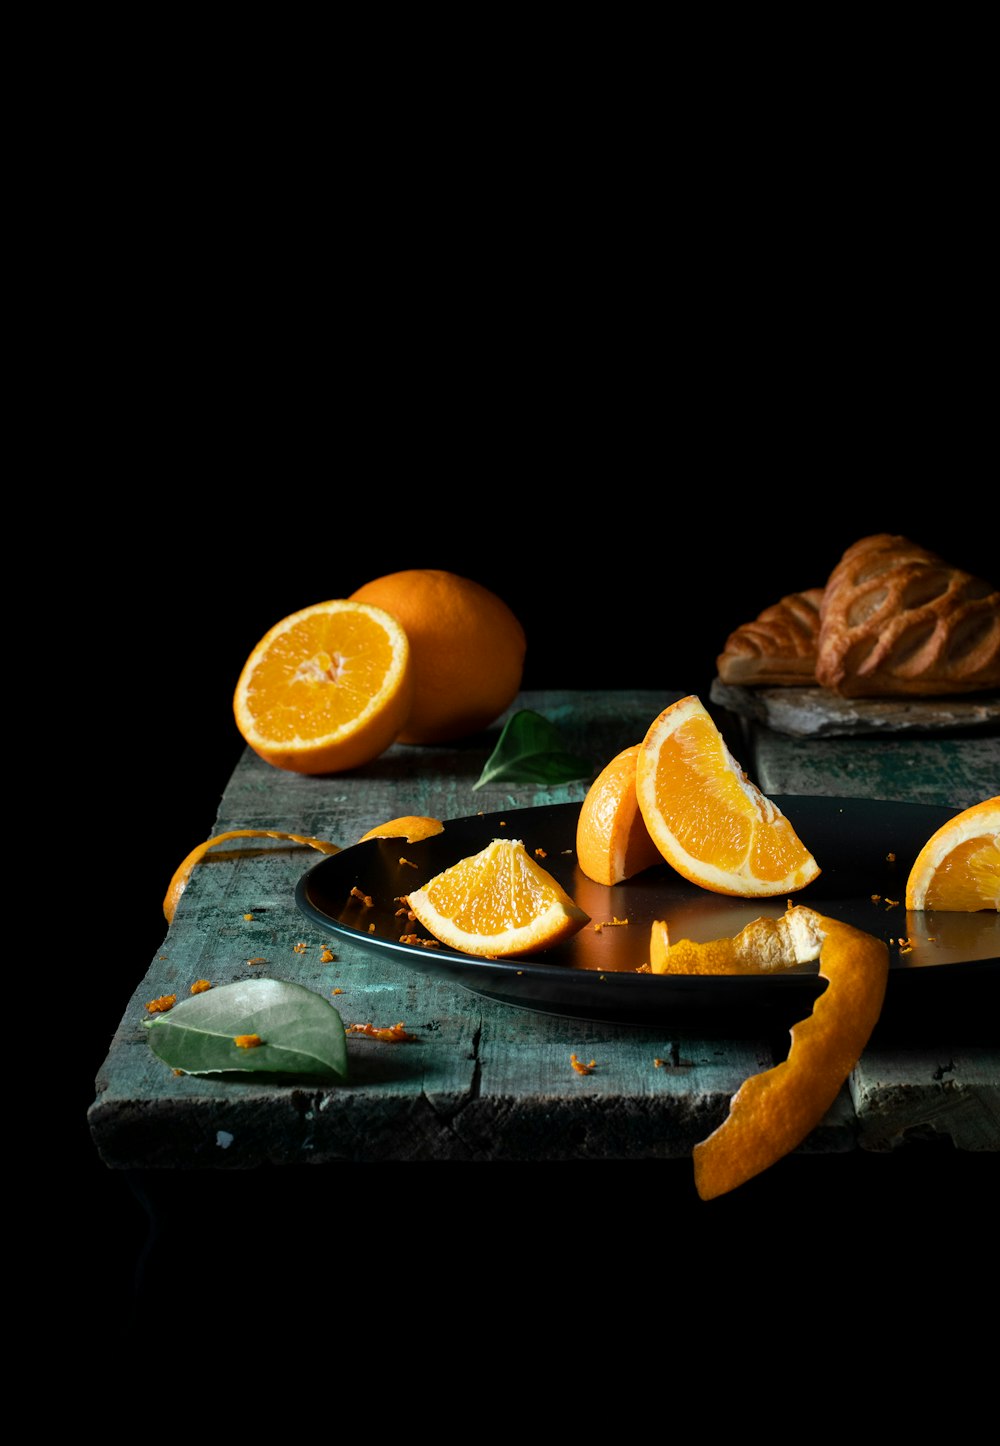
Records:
x=865, y=848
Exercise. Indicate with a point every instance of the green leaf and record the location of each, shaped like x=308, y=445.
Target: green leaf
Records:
x=530, y=749
x=302, y=1033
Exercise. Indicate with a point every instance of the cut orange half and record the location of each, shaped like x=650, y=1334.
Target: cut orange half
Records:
x=612, y=840
x=326, y=689
x=707, y=819
x=497, y=903
x=958, y=868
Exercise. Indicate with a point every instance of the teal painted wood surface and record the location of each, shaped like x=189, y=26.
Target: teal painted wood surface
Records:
x=485, y=1081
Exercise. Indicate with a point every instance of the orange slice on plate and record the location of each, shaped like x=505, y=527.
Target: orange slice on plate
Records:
x=497, y=903
x=958, y=868
x=612, y=840
x=707, y=819
x=773, y=1112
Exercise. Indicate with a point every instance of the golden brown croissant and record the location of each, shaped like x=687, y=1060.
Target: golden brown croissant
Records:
x=896, y=620
x=778, y=647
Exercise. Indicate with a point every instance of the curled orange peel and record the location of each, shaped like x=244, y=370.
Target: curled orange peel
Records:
x=773, y=1112
x=411, y=827
x=179, y=881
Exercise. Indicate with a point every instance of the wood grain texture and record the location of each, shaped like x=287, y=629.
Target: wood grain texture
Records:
x=485, y=1081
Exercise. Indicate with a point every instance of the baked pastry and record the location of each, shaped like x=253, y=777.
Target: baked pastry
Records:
x=898, y=621
x=778, y=647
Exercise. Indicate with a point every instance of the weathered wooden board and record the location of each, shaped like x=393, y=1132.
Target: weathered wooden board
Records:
x=953, y=771
x=925, y=1094
x=482, y=1081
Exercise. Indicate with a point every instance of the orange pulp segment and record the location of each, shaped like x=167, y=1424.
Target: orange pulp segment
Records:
x=958, y=868
x=497, y=903
x=708, y=820
x=326, y=689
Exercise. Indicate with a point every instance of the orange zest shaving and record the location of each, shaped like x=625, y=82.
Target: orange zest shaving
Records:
x=247, y=1041
x=773, y=1112
x=161, y=1005
x=394, y=1034
x=199, y=986
x=179, y=881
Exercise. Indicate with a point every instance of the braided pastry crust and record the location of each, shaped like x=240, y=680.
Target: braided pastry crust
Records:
x=778, y=647
x=896, y=620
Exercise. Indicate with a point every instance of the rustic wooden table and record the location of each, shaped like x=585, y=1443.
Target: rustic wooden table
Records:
x=485, y=1081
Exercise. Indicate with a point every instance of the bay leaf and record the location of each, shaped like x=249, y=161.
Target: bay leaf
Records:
x=531, y=749
x=302, y=1033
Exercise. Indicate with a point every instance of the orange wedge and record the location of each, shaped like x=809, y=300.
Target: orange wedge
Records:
x=958, y=868
x=326, y=689
x=411, y=827
x=497, y=903
x=705, y=816
x=612, y=840
x=773, y=1112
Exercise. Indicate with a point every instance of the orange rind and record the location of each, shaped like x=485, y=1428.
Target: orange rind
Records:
x=497, y=903
x=772, y=1113
x=958, y=868
x=182, y=873
x=411, y=827
x=612, y=840
x=326, y=689
x=467, y=648
x=708, y=820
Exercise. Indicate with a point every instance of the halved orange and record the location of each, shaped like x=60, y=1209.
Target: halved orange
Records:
x=773, y=1112
x=496, y=903
x=612, y=840
x=707, y=819
x=327, y=688
x=958, y=868
x=468, y=650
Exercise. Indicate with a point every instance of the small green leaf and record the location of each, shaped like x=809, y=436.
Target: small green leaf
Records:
x=530, y=749
x=302, y=1033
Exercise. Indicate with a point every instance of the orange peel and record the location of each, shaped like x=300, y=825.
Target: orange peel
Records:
x=182, y=873
x=411, y=826
x=773, y=1112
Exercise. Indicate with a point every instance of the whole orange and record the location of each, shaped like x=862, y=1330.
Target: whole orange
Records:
x=467, y=650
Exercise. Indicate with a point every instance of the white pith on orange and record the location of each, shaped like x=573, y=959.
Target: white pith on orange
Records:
x=327, y=688
x=958, y=868
x=496, y=903
x=708, y=820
